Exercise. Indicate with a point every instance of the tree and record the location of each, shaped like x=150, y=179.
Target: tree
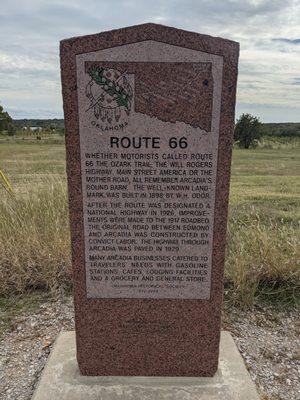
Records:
x=6, y=122
x=247, y=130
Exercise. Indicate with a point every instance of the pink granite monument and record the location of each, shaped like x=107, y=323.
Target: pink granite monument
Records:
x=149, y=117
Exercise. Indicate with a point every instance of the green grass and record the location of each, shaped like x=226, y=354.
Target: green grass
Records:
x=11, y=307
x=269, y=181
x=262, y=260
x=262, y=162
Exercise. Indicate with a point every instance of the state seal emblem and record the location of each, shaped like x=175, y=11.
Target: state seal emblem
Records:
x=110, y=94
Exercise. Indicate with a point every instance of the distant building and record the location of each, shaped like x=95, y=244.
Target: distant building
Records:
x=32, y=128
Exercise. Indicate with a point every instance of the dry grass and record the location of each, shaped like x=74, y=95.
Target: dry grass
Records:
x=34, y=238
x=262, y=254
x=263, y=241
x=262, y=259
x=276, y=143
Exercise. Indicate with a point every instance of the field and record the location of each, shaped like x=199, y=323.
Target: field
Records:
x=263, y=238
x=264, y=225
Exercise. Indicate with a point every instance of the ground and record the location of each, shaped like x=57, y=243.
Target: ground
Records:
x=267, y=337
x=262, y=279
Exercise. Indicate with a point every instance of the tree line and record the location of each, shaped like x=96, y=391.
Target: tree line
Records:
x=248, y=128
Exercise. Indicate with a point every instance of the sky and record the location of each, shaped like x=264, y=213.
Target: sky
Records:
x=268, y=32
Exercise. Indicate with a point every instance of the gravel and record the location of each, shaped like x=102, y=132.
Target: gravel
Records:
x=267, y=337
x=269, y=341
x=24, y=350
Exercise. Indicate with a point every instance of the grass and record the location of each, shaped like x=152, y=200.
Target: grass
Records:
x=264, y=226
x=34, y=244
x=279, y=142
x=35, y=237
x=262, y=260
x=12, y=306
x=31, y=162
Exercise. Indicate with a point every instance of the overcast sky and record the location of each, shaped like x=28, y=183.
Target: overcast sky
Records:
x=268, y=32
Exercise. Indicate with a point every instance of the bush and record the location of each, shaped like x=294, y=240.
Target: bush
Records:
x=247, y=131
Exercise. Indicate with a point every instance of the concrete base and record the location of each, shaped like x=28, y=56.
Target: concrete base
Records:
x=61, y=379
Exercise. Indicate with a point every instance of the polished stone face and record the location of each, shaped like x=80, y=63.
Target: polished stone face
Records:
x=151, y=234
x=149, y=114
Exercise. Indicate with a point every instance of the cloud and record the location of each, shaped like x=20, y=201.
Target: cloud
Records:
x=286, y=40
x=268, y=31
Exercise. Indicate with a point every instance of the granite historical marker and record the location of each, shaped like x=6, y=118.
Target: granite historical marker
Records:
x=149, y=113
